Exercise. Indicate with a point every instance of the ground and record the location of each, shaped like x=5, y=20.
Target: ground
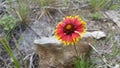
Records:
x=43, y=25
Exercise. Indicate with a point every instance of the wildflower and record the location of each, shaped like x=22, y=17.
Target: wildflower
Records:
x=70, y=30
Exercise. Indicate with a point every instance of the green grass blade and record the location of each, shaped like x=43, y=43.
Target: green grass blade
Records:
x=5, y=44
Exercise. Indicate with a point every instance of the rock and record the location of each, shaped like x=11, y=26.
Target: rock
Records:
x=53, y=40
x=98, y=34
x=54, y=54
x=44, y=40
x=114, y=16
x=43, y=28
x=36, y=30
x=95, y=34
x=88, y=34
x=26, y=44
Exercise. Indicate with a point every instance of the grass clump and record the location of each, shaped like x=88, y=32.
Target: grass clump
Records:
x=47, y=3
x=21, y=8
x=81, y=63
x=23, y=11
x=98, y=5
x=96, y=16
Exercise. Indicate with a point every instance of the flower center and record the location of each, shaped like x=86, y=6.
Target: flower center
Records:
x=68, y=27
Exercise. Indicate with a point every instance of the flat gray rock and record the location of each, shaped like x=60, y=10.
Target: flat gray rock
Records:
x=43, y=28
x=26, y=44
x=53, y=40
x=37, y=30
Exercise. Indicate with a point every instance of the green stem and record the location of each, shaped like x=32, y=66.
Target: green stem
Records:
x=77, y=53
x=76, y=50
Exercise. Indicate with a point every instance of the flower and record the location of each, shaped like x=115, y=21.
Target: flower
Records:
x=70, y=30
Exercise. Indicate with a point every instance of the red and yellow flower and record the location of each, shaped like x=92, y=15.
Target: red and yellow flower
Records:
x=70, y=30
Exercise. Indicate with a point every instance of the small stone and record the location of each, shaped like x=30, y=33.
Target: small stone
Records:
x=98, y=34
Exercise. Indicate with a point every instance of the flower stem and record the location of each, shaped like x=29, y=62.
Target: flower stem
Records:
x=76, y=51
x=77, y=54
